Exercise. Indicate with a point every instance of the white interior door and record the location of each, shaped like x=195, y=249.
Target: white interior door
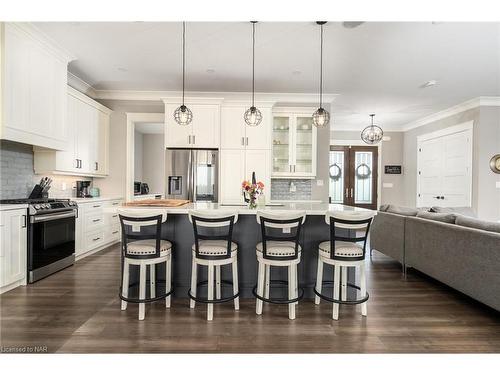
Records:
x=445, y=170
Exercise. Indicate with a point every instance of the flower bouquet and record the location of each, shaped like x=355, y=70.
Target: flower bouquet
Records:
x=251, y=190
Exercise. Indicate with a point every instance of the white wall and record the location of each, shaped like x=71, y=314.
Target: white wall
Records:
x=153, y=162
x=138, y=156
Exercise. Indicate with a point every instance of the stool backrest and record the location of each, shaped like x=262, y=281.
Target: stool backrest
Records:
x=213, y=225
x=280, y=226
x=358, y=222
x=140, y=224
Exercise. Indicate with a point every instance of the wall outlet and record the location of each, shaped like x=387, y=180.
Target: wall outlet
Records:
x=319, y=182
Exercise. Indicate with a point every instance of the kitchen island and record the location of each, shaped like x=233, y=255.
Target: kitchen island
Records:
x=246, y=233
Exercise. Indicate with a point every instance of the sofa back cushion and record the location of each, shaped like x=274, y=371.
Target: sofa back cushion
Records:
x=400, y=210
x=383, y=207
x=467, y=211
x=471, y=222
x=443, y=217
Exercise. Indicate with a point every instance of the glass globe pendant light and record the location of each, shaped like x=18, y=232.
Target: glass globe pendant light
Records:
x=321, y=117
x=183, y=115
x=372, y=134
x=253, y=116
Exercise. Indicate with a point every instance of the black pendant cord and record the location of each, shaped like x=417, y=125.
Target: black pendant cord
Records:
x=253, y=64
x=321, y=69
x=183, y=59
x=372, y=115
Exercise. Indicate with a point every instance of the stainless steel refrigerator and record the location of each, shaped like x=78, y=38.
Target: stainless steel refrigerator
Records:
x=192, y=174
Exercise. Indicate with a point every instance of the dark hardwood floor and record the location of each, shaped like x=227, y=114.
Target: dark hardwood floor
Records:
x=78, y=311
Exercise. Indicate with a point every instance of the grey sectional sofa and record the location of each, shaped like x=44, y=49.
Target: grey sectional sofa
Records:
x=457, y=253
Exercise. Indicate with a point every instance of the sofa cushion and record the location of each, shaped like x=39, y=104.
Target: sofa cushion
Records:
x=383, y=207
x=443, y=217
x=400, y=210
x=471, y=222
x=467, y=211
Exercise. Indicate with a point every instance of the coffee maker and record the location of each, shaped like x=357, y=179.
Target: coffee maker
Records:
x=83, y=189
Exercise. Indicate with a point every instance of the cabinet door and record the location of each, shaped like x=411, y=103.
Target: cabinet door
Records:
x=304, y=147
x=102, y=143
x=232, y=133
x=16, y=81
x=176, y=135
x=258, y=137
x=206, y=129
x=79, y=231
x=13, y=246
x=282, y=145
x=66, y=160
x=258, y=161
x=232, y=174
x=84, y=131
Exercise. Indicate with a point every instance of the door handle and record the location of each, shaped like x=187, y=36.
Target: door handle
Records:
x=439, y=197
x=347, y=192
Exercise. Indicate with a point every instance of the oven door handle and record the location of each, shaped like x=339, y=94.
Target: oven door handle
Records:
x=38, y=219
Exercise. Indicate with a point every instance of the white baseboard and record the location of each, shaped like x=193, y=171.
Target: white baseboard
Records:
x=96, y=250
x=14, y=285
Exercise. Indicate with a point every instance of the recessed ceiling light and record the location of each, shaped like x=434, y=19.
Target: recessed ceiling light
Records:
x=210, y=71
x=430, y=83
x=122, y=69
x=296, y=72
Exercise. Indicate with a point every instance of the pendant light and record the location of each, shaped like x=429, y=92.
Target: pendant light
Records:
x=253, y=116
x=372, y=134
x=183, y=115
x=321, y=117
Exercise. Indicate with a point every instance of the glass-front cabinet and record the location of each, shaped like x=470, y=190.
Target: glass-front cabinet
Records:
x=294, y=145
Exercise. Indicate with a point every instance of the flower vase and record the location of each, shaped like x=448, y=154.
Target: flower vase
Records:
x=252, y=202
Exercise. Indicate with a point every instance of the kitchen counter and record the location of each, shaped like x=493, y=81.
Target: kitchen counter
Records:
x=5, y=207
x=96, y=199
x=309, y=208
x=247, y=233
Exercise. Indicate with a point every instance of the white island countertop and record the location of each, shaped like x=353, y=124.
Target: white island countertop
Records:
x=309, y=208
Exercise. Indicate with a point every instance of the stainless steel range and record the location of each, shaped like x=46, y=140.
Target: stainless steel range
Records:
x=51, y=235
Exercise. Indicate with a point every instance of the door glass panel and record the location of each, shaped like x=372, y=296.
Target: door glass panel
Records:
x=304, y=138
x=363, y=177
x=281, y=146
x=336, y=171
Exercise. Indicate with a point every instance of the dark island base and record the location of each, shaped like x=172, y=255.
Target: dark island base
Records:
x=246, y=233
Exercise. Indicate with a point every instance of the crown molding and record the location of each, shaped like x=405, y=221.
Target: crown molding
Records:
x=79, y=84
x=469, y=104
x=40, y=37
x=225, y=96
x=86, y=99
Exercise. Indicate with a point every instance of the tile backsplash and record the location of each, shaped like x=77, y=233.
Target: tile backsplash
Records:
x=282, y=189
x=18, y=177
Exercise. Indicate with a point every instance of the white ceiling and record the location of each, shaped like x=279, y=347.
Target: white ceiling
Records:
x=149, y=127
x=377, y=67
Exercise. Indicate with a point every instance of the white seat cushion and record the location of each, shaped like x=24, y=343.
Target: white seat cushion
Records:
x=148, y=247
x=342, y=248
x=214, y=247
x=278, y=248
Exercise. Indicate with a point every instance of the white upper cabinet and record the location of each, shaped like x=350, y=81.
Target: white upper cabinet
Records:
x=34, y=75
x=87, y=148
x=236, y=134
x=202, y=132
x=294, y=144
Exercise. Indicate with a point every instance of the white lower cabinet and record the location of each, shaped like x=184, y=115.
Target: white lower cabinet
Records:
x=13, y=248
x=97, y=226
x=238, y=165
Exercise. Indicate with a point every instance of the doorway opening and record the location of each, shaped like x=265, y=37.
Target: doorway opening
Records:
x=353, y=174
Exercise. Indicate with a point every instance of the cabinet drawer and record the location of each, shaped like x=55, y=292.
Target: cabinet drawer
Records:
x=112, y=234
x=94, y=239
x=93, y=221
x=93, y=208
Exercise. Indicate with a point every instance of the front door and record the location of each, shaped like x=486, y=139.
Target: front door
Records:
x=353, y=175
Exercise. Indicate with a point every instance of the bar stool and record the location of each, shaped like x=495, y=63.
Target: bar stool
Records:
x=142, y=246
x=213, y=247
x=349, y=251
x=279, y=248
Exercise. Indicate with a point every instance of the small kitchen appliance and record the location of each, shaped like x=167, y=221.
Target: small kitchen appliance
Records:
x=83, y=189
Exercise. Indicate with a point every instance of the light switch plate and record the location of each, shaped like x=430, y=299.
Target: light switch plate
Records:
x=319, y=182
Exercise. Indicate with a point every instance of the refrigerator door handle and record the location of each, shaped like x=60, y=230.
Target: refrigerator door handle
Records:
x=194, y=166
x=189, y=176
